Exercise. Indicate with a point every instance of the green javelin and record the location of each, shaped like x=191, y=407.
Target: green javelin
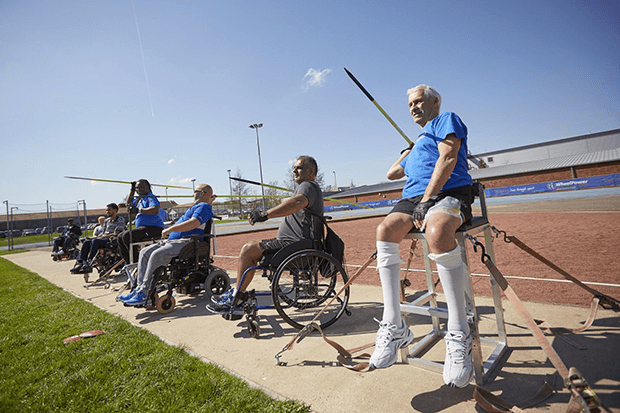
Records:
x=123, y=182
x=369, y=96
x=288, y=190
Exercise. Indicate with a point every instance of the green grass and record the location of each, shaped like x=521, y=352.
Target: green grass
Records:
x=16, y=251
x=125, y=369
x=30, y=239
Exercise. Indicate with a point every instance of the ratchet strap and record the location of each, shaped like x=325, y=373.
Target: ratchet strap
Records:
x=347, y=359
x=605, y=301
x=493, y=404
x=582, y=394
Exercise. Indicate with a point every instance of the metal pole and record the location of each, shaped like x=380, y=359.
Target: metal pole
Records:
x=83, y=202
x=335, y=182
x=12, y=241
x=230, y=189
x=8, y=230
x=193, y=186
x=49, y=222
x=260, y=166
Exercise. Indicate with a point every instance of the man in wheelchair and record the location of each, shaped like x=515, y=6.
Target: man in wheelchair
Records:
x=66, y=244
x=160, y=254
x=302, y=214
x=113, y=225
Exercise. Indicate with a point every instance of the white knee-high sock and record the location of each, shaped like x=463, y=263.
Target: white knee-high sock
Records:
x=388, y=264
x=453, y=276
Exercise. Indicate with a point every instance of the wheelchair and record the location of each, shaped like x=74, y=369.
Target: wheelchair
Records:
x=107, y=260
x=72, y=248
x=191, y=272
x=303, y=279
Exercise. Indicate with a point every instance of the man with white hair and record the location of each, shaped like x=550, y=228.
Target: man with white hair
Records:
x=436, y=199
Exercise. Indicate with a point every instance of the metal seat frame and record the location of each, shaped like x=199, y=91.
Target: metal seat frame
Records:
x=427, y=305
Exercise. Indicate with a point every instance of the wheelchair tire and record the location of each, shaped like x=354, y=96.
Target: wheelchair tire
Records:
x=216, y=283
x=304, y=284
x=165, y=304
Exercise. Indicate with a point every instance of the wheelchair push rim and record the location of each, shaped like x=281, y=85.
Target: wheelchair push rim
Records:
x=304, y=283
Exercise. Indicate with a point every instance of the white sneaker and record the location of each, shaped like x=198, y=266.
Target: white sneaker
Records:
x=389, y=340
x=458, y=368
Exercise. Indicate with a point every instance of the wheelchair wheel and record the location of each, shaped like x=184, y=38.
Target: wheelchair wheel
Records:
x=216, y=283
x=304, y=284
x=165, y=304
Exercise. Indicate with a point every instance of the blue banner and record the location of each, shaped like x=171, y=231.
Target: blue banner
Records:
x=569, y=184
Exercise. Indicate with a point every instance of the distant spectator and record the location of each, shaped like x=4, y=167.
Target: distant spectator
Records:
x=98, y=230
x=71, y=233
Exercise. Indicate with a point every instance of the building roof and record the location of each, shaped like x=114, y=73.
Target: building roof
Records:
x=547, y=164
x=613, y=134
x=371, y=189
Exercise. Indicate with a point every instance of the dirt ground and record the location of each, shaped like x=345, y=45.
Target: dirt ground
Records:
x=581, y=236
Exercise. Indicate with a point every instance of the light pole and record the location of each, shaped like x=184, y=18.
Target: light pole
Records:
x=335, y=182
x=193, y=187
x=260, y=167
x=83, y=202
x=231, y=194
x=8, y=230
x=11, y=243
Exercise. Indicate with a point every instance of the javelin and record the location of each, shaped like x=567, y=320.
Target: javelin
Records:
x=288, y=190
x=224, y=196
x=369, y=96
x=124, y=182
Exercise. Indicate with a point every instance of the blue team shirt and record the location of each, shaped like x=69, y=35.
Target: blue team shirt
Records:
x=202, y=212
x=148, y=220
x=420, y=163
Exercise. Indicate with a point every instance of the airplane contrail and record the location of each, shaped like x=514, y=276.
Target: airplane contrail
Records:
x=148, y=89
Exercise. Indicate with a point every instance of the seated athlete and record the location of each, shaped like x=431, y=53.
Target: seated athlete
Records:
x=98, y=230
x=70, y=235
x=300, y=222
x=149, y=224
x=160, y=254
x=114, y=224
x=437, y=199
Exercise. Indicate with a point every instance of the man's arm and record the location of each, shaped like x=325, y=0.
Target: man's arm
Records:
x=288, y=207
x=448, y=154
x=152, y=210
x=188, y=225
x=396, y=171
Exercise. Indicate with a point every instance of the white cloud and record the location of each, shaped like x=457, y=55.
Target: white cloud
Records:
x=315, y=78
x=179, y=180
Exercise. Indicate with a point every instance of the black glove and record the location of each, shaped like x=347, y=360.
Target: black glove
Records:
x=258, y=216
x=419, y=212
x=133, y=185
x=133, y=210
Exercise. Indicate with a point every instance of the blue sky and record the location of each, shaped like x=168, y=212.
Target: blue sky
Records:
x=85, y=91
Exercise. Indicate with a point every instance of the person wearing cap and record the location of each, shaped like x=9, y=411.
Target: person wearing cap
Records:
x=71, y=232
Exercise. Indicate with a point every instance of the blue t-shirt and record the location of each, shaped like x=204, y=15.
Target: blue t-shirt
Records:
x=148, y=220
x=420, y=163
x=202, y=212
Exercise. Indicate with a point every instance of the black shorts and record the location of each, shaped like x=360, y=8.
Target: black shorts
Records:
x=272, y=245
x=465, y=194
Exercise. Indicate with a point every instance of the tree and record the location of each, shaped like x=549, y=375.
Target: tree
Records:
x=272, y=201
x=239, y=188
